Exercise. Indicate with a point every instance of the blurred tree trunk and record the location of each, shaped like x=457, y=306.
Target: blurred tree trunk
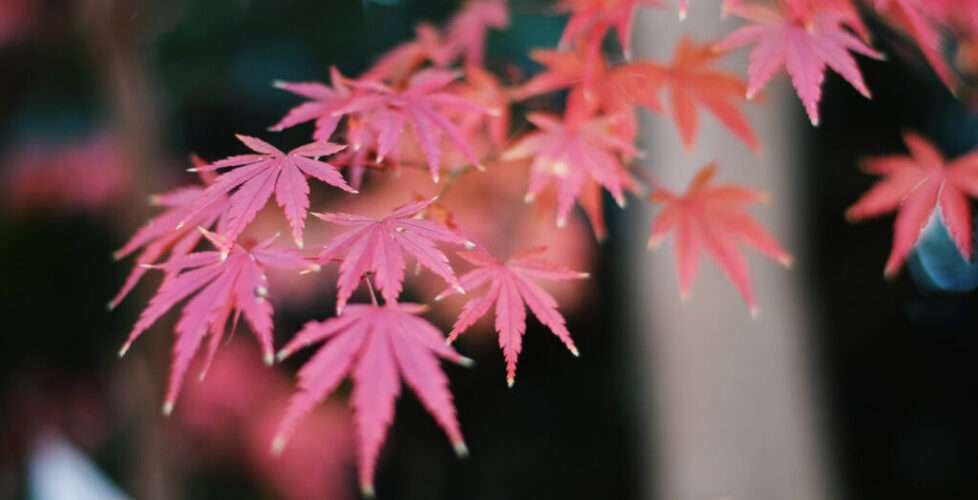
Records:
x=730, y=399
x=116, y=30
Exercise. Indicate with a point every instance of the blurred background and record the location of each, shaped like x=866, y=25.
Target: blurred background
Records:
x=847, y=386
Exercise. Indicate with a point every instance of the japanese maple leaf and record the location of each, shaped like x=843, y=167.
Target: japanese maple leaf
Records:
x=377, y=346
x=846, y=10
x=711, y=216
x=467, y=31
x=402, y=61
x=590, y=199
x=572, y=152
x=356, y=160
x=379, y=245
x=802, y=39
x=322, y=108
x=160, y=236
x=593, y=18
x=483, y=87
x=218, y=286
x=596, y=87
x=692, y=80
x=914, y=186
x=258, y=175
x=915, y=17
x=387, y=109
x=512, y=291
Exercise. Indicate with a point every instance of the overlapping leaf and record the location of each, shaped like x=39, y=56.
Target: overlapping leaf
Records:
x=594, y=86
x=803, y=39
x=467, y=31
x=915, y=186
x=482, y=87
x=379, y=245
x=258, y=175
x=710, y=216
x=572, y=153
x=592, y=19
x=160, y=235
x=399, y=63
x=217, y=287
x=512, y=291
x=386, y=110
x=918, y=19
x=322, y=109
x=378, y=346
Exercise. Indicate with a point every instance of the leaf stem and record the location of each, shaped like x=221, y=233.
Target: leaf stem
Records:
x=370, y=286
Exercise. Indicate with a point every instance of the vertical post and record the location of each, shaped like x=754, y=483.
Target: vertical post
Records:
x=729, y=398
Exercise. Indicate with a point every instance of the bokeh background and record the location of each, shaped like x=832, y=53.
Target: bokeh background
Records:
x=103, y=101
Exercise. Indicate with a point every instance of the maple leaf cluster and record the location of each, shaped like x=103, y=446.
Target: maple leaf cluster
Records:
x=461, y=124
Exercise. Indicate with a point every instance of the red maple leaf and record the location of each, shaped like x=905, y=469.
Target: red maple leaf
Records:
x=377, y=346
x=379, y=245
x=596, y=86
x=386, y=110
x=219, y=286
x=258, y=175
x=572, y=152
x=918, y=20
x=512, y=291
x=711, y=216
x=915, y=186
x=802, y=38
x=592, y=19
x=158, y=236
x=691, y=79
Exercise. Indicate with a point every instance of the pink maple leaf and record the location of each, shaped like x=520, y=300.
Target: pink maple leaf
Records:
x=572, y=152
x=512, y=291
x=258, y=175
x=467, y=30
x=482, y=87
x=356, y=161
x=386, y=110
x=915, y=186
x=378, y=346
x=159, y=235
x=322, y=108
x=219, y=286
x=399, y=63
x=711, y=216
x=804, y=40
x=379, y=245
